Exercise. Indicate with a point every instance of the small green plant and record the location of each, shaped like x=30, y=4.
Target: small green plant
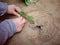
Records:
x=29, y=18
x=28, y=2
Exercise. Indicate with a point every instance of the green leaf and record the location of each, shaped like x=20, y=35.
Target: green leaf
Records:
x=22, y=13
x=28, y=2
x=29, y=18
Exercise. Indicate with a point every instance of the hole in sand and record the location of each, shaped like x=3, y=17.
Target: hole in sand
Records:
x=39, y=27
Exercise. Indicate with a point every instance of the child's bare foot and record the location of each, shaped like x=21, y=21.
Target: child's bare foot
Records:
x=19, y=22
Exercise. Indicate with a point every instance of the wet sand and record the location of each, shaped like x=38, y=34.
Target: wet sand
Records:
x=46, y=14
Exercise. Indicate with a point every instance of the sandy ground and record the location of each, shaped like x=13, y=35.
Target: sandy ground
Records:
x=46, y=14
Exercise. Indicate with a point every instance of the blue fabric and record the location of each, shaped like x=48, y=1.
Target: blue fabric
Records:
x=3, y=8
x=7, y=29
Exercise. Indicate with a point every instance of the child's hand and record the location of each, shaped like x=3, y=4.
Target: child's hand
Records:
x=13, y=9
x=19, y=23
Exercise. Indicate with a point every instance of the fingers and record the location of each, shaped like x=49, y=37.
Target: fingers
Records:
x=19, y=22
x=15, y=13
x=23, y=21
x=13, y=9
x=17, y=9
x=21, y=25
x=19, y=29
